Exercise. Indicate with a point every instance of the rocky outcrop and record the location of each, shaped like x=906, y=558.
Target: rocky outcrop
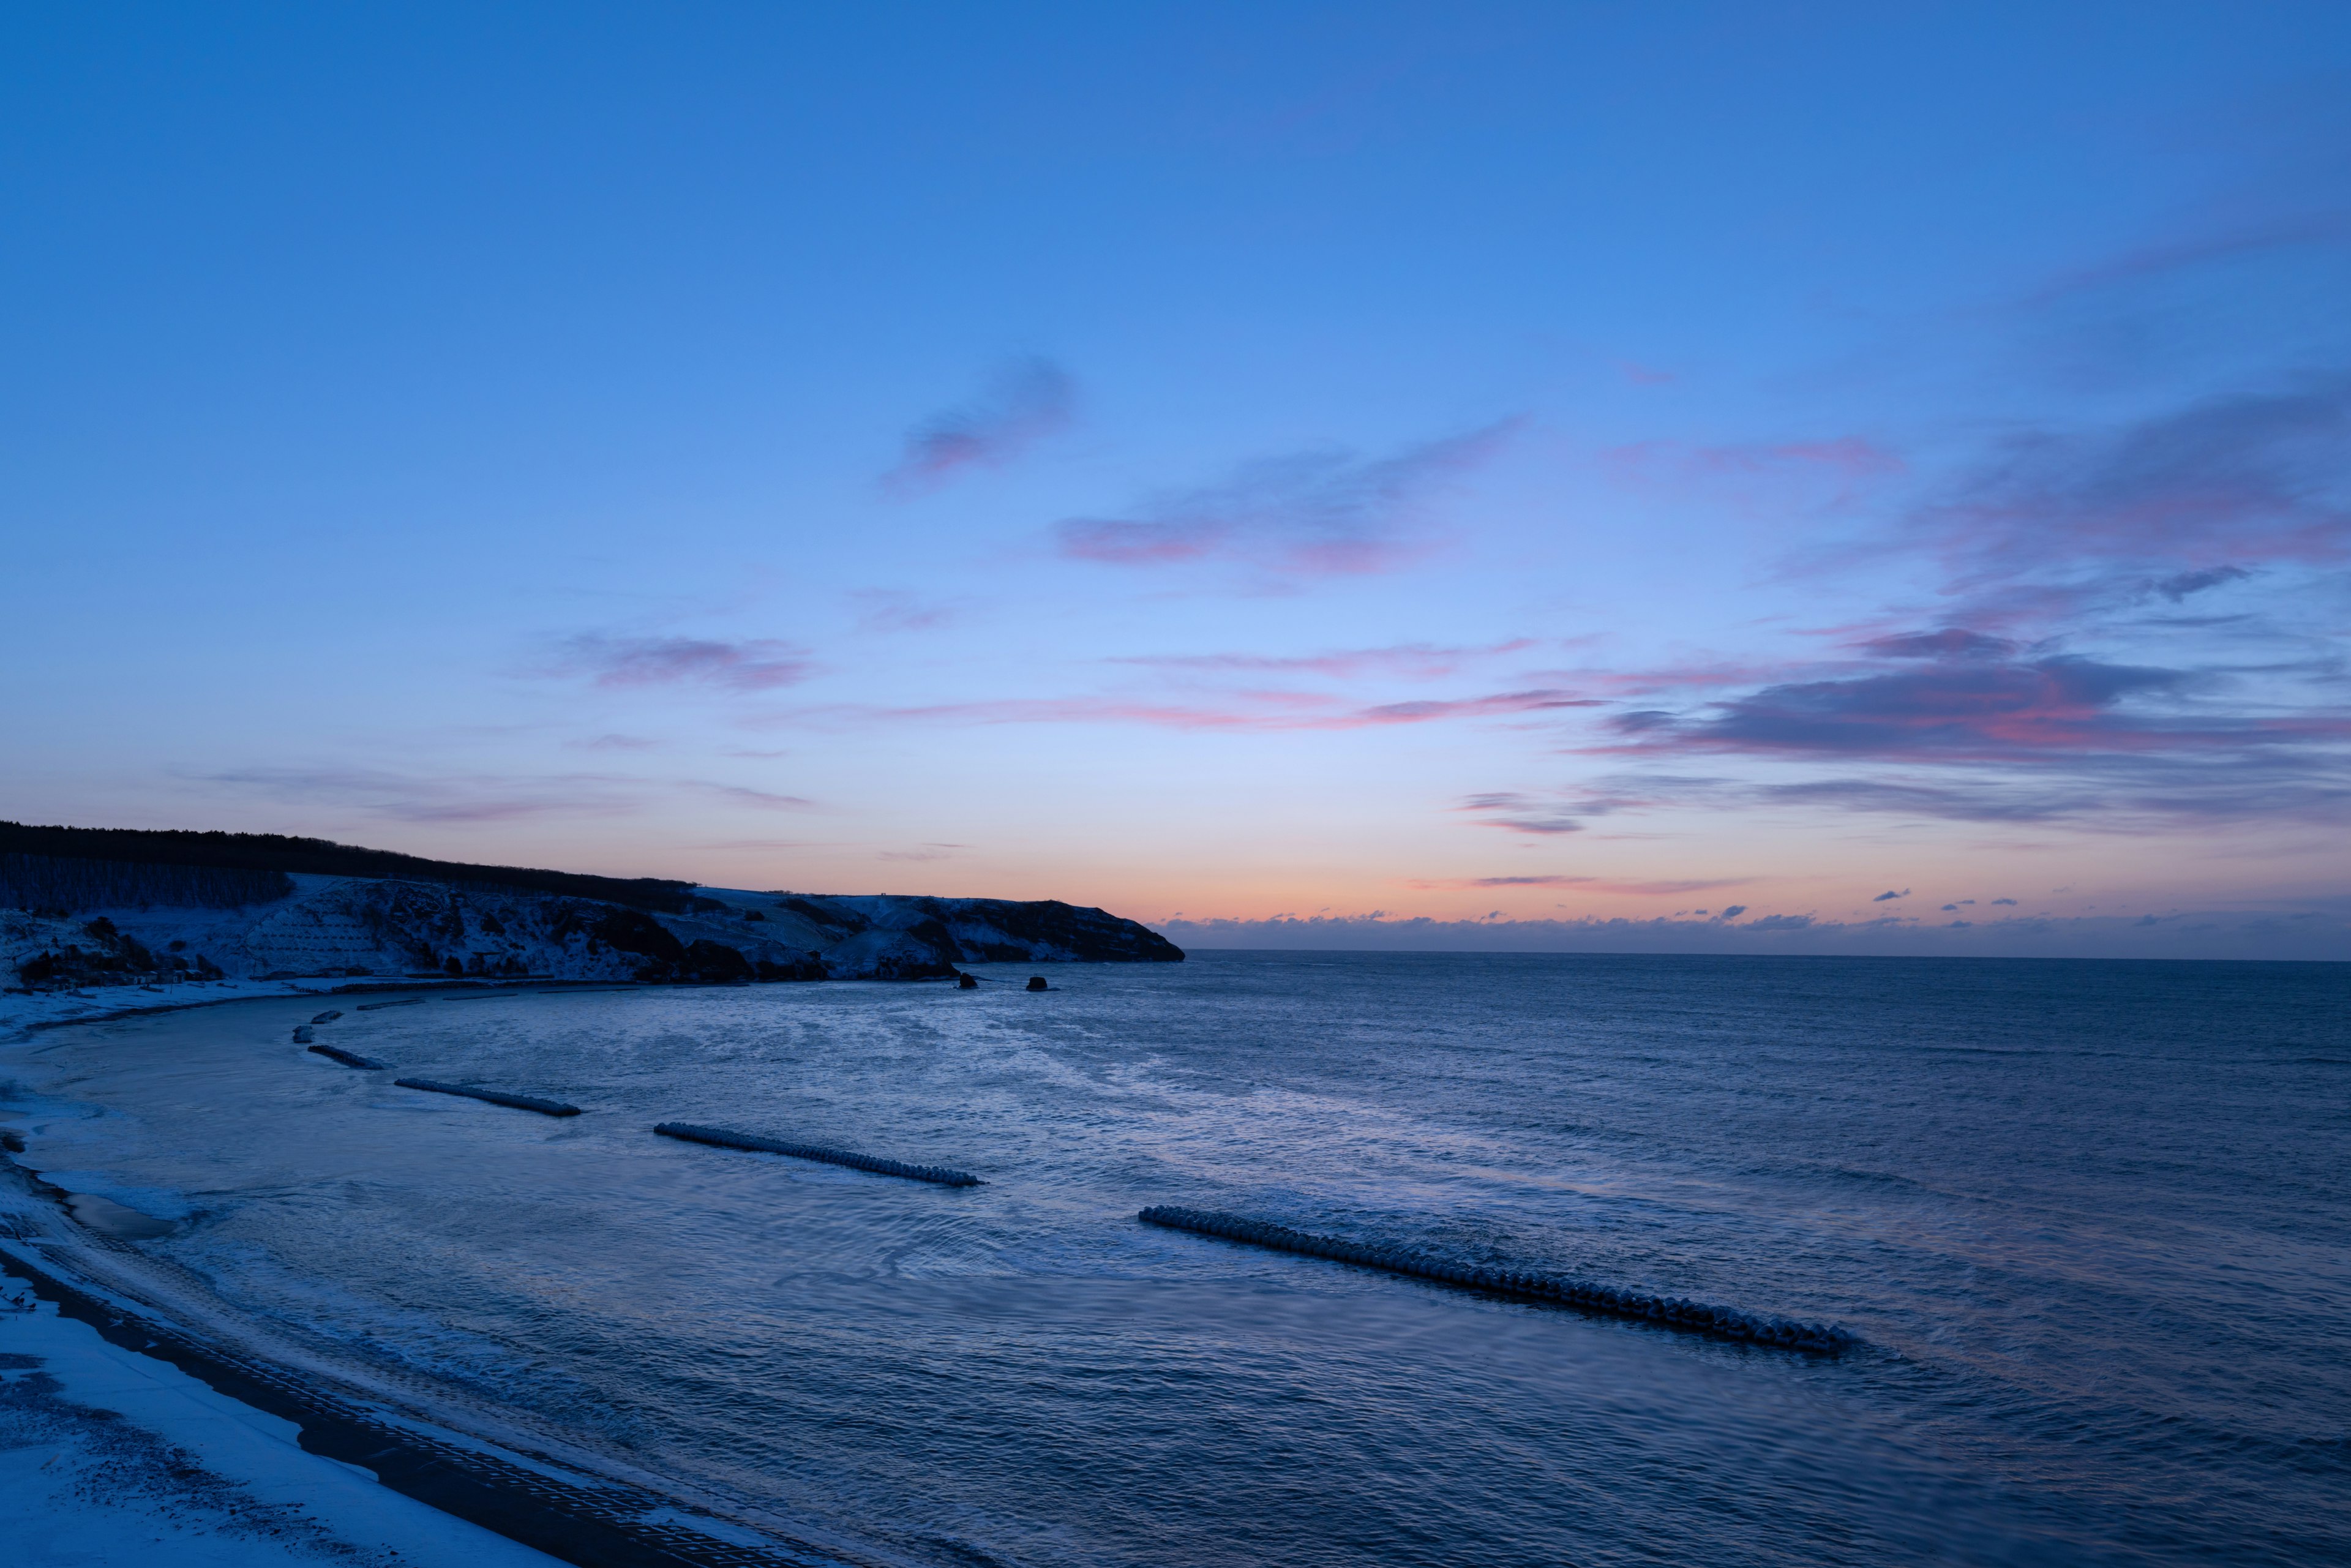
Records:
x=898, y=936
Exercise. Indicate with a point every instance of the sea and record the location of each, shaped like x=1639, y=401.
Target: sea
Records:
x=2089, y=1224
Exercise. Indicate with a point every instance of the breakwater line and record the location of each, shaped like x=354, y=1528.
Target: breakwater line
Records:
x=719, y=1137
x=519, y=1102
x=1726, y=1322
x=347, y=1057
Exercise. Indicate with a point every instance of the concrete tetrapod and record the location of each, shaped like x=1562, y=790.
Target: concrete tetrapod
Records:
x=723, y=1139
x=519, y=1102
x=1726, y=1322
x=349, y=1058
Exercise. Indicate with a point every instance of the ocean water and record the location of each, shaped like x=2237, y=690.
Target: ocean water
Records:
x=2091, y=1221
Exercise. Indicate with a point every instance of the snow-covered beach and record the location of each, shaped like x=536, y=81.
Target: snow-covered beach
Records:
x=109, y=1455
x=127, y=1436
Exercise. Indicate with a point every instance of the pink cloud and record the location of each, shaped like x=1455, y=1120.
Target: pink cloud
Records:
x=1251, y=710
x=1316, y=514
x=1026, y=401
x=894, y=610
x=1983, y=728
x=1597, y=885
x=753, y=665
x=485, y=798
x=1847, y=459
x=1501, y=702
x=1415, y=660
x=1961, y=708
x=923, y=852
x=2225, y=484
x=741, y=795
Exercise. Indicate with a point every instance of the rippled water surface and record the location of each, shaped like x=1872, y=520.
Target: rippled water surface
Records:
x=2090, y=1220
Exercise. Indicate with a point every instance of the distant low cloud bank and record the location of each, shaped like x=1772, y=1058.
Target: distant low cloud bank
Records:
x=2273, y=935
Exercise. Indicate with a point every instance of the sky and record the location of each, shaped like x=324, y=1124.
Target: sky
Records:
x=1752, y=477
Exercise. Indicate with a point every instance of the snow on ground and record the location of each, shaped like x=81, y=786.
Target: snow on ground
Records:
x=108, y=1457
x=23, y=1010
x=320, y=927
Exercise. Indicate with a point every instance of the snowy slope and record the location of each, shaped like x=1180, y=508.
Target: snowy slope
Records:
x=345, y=927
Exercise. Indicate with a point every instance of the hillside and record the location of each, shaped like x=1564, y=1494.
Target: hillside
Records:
x=158, y=907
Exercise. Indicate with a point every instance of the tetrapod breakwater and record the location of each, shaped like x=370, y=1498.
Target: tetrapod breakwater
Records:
x=519, y=1102
x=723, y=1139
x=1726, y=1322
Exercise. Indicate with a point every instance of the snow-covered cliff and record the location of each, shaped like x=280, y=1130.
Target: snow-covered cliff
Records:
x=309, y=925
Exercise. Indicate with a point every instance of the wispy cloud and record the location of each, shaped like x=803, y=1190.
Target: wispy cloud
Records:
x=760, y=799
x=1974, y=704
x=2192, y=497
x=444, y=798
x=427, y=798
x=1849, y=458
x=1245, y=711
x=1416, y=712
x=755, y=664
x=1802, y=477
x=1594, y=883
x=894, y=610
x=1950, y=643
x=923, y=852
x=1311, y=514
x=1409, y=661
x=2236, y=242
x=1519, y=814
x=1025, y=402
x=2178, y=586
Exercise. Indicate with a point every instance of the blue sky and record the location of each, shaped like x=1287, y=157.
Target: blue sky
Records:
x=1555, y=473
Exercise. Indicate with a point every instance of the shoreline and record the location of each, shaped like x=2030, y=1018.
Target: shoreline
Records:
x=22, y=1012
x=593, y=1522
x=536, y=1503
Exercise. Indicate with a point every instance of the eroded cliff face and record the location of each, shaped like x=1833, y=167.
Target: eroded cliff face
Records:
x=334, y=926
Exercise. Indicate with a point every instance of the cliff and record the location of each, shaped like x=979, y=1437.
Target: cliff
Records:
x=250, y=906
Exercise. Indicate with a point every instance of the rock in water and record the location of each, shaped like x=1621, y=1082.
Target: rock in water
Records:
x=1037, y=982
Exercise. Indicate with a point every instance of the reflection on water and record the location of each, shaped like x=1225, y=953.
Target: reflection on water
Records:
x=110, y=1218
x=2084, y=1216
